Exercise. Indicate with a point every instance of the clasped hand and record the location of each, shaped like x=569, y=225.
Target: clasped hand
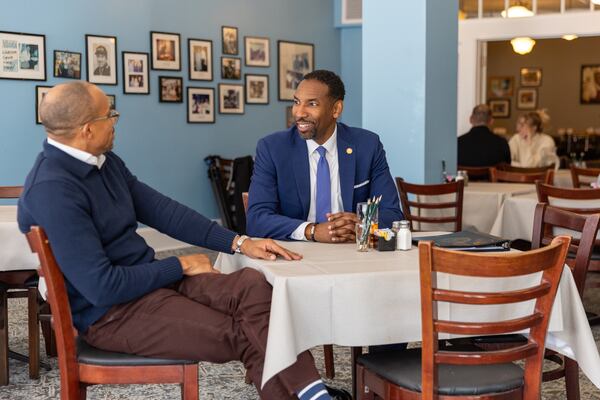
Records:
x=339, y=228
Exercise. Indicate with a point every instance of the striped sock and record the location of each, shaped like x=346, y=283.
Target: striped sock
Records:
x=314, y=391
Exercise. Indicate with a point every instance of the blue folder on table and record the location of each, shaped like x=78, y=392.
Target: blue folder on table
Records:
x=467, y=241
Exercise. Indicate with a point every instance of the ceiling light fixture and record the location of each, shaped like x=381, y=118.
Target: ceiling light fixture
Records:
x=570, y=37
x=522, y=45
x=517, y=11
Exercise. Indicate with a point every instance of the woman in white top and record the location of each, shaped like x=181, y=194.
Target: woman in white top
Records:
x=530, y=147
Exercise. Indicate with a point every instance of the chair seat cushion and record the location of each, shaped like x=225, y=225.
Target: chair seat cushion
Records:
x=403, y=368
x=87, y=354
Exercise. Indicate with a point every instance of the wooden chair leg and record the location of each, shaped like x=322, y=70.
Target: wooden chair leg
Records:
x=572, y=379
x=247, y=379
x=189, y=387
x=49, y=339
x=34, y=333
x=356, y=351
x=3, y=338
x=328, y=357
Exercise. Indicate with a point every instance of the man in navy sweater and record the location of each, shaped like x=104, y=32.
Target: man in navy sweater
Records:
x=121, y=297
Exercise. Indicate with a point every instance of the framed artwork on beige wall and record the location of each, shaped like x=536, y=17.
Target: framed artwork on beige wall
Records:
x=500, y=86
x=500, y=108
x=590, y=84
x=527, y=98
x=531, y=76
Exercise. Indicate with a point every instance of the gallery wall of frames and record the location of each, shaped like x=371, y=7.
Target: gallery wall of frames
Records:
x=25, y=57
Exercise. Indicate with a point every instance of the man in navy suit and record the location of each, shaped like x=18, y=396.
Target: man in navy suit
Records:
x=308, y=179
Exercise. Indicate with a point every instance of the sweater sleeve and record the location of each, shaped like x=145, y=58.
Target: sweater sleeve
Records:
x=80, y=253
x=174, y=219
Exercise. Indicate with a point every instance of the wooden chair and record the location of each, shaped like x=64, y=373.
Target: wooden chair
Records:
x=431, y=373
x=525, y=170
x=476, y=173
x=497, y=175
x=19, y=284
x=588, y=172
x=405, y=189
x=327, y=348
x=82, y=365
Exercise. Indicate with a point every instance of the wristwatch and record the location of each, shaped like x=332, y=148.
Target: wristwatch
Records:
x=239, y=242
x=312, y=232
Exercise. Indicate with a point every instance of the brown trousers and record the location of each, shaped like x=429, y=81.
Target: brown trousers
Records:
x=207, y=317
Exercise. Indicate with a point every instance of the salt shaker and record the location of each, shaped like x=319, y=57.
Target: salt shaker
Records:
x=404, y=237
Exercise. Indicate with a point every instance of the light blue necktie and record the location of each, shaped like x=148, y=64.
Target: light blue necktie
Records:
x=323, y=186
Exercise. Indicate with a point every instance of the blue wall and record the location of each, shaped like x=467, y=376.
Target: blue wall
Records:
x=153, y=138
x=351, y=57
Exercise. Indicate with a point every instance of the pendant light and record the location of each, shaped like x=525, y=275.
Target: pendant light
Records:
x=522, y=45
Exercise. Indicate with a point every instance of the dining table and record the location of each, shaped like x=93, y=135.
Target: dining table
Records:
x=336, y=295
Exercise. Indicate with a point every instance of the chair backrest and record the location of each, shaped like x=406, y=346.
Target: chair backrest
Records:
x=549, y=260
x=589, y=172
x=497, y=175
x=525, y=170
x=59, y=304
x=10, y=192
x=425, y=209
x=245, y=200
x=476, y=173
x=545, y=192
x=219, y=173
x=547, y=217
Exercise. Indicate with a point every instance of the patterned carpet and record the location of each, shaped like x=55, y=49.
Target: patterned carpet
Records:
x=224, y=381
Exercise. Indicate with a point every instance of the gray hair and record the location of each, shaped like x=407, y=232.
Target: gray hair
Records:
x=481, y=115
x=66, y=107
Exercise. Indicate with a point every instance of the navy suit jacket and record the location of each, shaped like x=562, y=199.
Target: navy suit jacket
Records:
x=279, y=198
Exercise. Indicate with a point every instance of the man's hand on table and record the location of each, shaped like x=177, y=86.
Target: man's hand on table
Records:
x=195, y=264
x=339, y=228
x=267, y=249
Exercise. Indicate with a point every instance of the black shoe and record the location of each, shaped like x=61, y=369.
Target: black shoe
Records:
x=338, y=394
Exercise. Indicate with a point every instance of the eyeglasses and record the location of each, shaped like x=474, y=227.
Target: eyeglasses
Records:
x=111, y=114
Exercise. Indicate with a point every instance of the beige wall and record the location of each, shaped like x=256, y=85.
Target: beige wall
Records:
x=559, y=91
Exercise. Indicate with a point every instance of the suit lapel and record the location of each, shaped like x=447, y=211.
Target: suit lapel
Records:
x=301, y=171
x=347, y=166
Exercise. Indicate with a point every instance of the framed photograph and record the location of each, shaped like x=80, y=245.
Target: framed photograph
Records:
x=231, y=99
x=201, y=105
x=257, y=89
x=201, y=59
x=500, y=108
x=289, y=117
x=294, y=60
x=136, y=73
x=67, y=64
x=101, y=57
x=527, y=99
x=590, y=84
x=112, y=101
x=231, y=68
x=170, y=89
x=531, y=76
x=40, y=92
x=23, y=56
x=229, y=38
x=500, y=86
x=166, y=51
x=256, y=52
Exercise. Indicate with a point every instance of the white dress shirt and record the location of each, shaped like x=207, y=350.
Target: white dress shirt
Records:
x=79, y=154
x=334, y=174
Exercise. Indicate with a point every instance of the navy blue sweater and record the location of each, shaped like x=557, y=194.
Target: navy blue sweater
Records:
x=91, y=215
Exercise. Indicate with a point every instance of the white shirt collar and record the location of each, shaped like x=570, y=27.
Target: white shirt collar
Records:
x=79, y=154
x=330, y=145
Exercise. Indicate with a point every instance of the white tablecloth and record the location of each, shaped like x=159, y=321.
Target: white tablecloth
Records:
x=482, y=202
x=14, y=249
x=337, y=295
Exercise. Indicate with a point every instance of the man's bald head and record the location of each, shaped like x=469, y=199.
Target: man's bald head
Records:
x=481, y=115
x=68, y=106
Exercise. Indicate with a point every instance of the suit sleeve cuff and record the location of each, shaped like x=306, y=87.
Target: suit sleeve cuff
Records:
x=298, y=234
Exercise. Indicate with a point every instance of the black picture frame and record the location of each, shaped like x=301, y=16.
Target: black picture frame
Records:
x=23, y=56
x=164, y=92
x=294, y=60
x=72, y=58
x=205, y=114
x=40, y=91
x=165, y=57
x=98, y=72
x=230, y=44
x=256, y=87
x=229, y=104
x=132, y=73
x=112, y=101
x=231, y=72
x=196, y=65
x=257, y=51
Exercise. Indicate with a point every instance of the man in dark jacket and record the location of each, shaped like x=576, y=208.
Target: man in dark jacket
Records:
x=480, y=147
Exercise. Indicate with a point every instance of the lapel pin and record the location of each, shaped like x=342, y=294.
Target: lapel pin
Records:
x=349, y=150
